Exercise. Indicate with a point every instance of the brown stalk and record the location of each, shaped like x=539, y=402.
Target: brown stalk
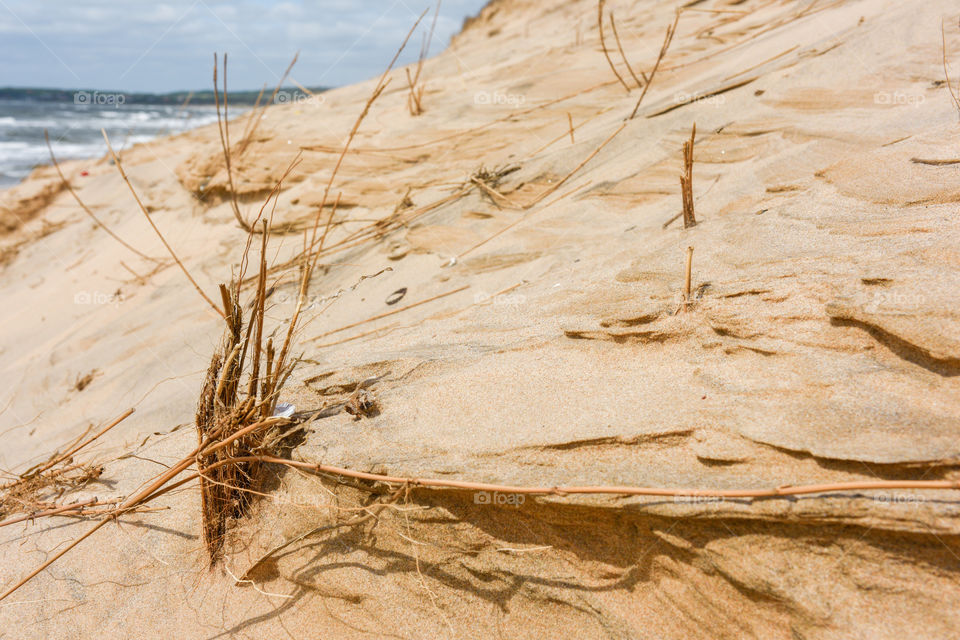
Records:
x=83, y=206
x=936, y=162
x=253, y=111
x=415, y=96
x=547, y=490
x=603, y=45
x=686, y=181
x=667, y=39
x=613, y=24
x=415, y=87
x=73, y=450
x=242, y=147
x=224, y=129
x=146, y=214
x=256, y=314
x=555, y=490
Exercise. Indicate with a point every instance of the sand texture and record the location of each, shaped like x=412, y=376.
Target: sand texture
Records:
x=822, y=345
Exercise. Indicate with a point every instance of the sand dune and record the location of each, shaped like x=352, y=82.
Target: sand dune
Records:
x=822, y=343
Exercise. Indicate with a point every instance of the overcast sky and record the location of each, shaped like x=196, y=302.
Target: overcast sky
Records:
x=137, y=45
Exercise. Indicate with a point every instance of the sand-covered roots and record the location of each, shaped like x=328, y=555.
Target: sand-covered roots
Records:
x=230, y=417
x=220, y=413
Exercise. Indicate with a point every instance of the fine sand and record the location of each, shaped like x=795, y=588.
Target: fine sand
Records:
x=552, y=347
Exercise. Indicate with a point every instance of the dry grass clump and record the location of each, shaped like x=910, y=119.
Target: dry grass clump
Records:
x=224, y=410
x=237, y=404
x=40, y=487
x=35, y=492
x=236, y=427
x=235, y=416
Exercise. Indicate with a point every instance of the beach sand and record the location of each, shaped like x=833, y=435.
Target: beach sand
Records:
x=822, y=344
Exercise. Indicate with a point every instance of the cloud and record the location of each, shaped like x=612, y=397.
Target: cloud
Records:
x=166, y=46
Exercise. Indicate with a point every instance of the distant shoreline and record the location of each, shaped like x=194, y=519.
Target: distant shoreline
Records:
x=115, y=98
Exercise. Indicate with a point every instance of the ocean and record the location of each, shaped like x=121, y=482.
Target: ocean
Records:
x=75, y=130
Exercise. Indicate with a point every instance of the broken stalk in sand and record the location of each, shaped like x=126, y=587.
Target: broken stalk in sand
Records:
x=686, y=181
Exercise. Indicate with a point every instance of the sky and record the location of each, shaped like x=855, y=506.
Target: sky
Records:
x=142, y=46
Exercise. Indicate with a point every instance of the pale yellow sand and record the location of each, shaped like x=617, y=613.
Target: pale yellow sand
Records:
x=824, y=346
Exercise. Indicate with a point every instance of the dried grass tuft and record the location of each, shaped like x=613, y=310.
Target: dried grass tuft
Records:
x=39, y=488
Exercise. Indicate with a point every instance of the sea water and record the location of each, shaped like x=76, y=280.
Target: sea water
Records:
x=75, y=130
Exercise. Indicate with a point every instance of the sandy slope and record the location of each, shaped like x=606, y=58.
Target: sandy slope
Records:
x=824, y=345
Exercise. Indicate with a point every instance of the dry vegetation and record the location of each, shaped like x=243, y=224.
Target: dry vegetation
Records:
x=238, y=429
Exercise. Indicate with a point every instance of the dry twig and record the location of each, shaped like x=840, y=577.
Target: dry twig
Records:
x=84, y=207
x=613, y=25
x=146, y=214
x=667, y=39
x=603, y=45
x=686, y=181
